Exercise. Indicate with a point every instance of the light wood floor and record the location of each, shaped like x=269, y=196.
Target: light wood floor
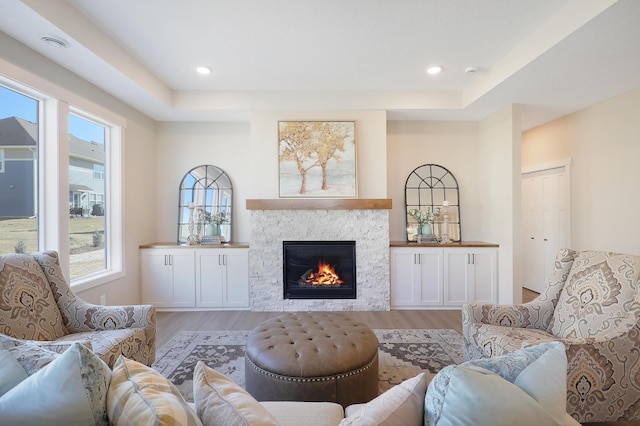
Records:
x=170, y=323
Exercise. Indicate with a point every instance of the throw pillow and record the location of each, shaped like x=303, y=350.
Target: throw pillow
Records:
x=402, y=404
x=30, y=355
x=525, y=387
x=220, y=401
x=139, y=395
x=71, y=390
x=32, y=311
x=11, y=372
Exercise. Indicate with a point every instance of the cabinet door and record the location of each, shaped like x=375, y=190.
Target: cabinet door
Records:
x=470, y=276
x=403, y=274
x=155, y=278
x=236, y=277
x=168, y=278
x=430, y=280
x=182, y=270
x=222, y=278
x=456, y=281
x=416, y=277
x=483, y=276
x=209, y=279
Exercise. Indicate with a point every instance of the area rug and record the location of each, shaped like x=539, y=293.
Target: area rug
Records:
x=402, y=353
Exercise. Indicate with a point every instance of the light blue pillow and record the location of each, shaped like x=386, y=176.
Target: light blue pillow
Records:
x=11, y=372
x=525, y=387
x=71, y=390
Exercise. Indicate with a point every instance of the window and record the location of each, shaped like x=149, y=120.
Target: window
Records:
x=86, y=189
x=73, y=200
x=98, y=171
x=18, y=171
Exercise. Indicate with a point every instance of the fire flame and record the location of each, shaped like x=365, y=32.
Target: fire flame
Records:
x=326, y=275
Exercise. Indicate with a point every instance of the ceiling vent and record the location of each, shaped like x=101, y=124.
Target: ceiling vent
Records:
x=55, y=41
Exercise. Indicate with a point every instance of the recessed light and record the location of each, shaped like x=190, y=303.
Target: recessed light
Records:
x=204, y=70
x=54, y=41
x=434, y=70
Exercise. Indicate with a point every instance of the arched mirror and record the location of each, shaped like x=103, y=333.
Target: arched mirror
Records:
x=432, y=205
x=206, y=194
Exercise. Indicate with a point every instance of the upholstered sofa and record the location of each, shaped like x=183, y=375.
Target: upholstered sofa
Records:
x=526, y=387
x=37, y=304
x=591, y=304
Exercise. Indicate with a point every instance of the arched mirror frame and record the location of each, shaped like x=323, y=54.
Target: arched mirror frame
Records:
x=209, y=188
x=428, y=186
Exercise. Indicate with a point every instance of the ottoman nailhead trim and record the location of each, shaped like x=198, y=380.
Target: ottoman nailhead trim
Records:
x=314, y=379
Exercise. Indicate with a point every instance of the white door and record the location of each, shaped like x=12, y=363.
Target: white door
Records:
x=545, y=210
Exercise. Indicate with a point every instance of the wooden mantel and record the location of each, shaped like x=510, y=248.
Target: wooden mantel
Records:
x=320, y=204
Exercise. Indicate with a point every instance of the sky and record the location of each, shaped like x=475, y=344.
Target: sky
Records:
x=13, y=104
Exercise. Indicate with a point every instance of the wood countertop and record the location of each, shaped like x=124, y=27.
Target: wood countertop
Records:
x=460, y=244
x=186, y=246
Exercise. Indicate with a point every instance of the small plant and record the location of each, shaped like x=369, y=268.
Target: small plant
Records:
x=216, y=219
x=20, y=247
x=427, y=215
x=97, y=239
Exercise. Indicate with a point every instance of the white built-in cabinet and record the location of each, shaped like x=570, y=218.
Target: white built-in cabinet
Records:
x=222, y=278
x=442, y=276
x=195, y=277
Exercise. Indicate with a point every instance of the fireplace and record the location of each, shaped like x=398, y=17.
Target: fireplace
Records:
x=319, y=269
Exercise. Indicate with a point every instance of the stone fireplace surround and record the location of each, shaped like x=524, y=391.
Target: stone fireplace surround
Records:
x=366, y=221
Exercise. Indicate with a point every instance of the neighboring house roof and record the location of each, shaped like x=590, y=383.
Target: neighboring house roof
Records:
x=15, y=131
x=74, y=187
x=91, y=151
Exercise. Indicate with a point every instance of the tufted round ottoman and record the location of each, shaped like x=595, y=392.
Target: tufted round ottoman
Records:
x=312, y=357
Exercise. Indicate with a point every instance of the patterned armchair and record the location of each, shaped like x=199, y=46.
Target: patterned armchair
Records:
x=591, y=304
x=37, y=304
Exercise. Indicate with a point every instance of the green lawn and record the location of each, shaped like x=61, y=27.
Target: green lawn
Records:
x=82, y=233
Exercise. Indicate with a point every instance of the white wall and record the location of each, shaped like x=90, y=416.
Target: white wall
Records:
x=248, y=152
x=182, y=146
x=451, y=144
x=139, y=166
x=603, y=142
x=499, y=189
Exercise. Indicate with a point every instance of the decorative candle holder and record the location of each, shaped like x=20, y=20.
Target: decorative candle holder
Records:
x=444, y=236
x=194, y=229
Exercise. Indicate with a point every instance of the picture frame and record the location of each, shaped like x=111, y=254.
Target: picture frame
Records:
x=317, y=159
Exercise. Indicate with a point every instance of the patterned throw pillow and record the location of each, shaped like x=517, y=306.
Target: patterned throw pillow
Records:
x=139, y=395
x=28, y=309
x=220, y=401
x=526, y=388
x=401, y=405
x=71, y=390
x=32, y=357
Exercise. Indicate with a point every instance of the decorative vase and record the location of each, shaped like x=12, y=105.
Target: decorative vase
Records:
x=425, y=229
x=211, y=230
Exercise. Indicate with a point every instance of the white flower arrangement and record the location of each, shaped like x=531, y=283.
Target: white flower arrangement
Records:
x=427, y=215
x=216, y=219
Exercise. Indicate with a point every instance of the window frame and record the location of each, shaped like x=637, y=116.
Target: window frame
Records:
x=2, y=159
x=54, y=106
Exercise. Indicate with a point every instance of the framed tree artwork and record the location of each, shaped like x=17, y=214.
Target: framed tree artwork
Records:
x=317, y=159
